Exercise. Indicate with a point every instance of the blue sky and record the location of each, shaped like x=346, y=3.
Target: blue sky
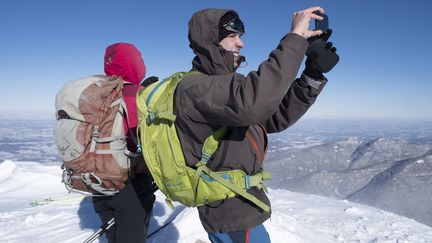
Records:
x=384, y=71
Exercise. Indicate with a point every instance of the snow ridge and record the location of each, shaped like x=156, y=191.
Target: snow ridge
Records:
x=296, y=217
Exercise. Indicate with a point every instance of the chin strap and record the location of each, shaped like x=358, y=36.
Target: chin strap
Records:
x=240, y=60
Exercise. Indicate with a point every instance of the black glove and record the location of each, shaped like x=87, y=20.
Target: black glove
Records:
x=312, y=70
x=321, y=55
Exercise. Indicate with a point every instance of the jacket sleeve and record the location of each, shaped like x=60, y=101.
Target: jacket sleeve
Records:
x=295, y=103
x=237, y=100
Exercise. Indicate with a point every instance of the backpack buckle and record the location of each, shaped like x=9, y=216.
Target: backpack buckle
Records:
x=150, y=117
x=96, y=131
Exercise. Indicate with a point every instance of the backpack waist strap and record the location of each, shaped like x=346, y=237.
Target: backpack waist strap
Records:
x=238, y=186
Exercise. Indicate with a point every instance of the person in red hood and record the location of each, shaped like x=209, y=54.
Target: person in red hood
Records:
x=131, y=207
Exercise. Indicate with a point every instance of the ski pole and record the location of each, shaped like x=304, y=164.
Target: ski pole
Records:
x=101, y=231
x=105, y=227
x=161, y=227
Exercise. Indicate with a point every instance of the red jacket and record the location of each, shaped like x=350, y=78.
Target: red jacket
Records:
x=124, y=60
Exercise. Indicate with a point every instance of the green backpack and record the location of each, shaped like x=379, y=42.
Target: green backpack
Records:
x=165, y=159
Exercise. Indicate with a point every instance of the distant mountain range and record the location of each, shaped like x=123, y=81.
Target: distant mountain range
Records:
x=386, y=164
x=391, y=174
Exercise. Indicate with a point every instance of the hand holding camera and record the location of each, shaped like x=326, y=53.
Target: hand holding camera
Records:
x=301, y=20
x=321, y=54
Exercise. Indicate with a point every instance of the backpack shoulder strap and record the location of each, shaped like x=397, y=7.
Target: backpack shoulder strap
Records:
x=165, y=107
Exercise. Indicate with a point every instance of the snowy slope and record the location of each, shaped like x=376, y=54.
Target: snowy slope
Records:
x=296, y=217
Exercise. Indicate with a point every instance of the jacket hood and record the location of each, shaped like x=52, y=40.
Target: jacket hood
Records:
x=203, y=36
x=124, y=60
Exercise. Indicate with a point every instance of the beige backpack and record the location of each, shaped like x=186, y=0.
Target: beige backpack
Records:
x=90, y=137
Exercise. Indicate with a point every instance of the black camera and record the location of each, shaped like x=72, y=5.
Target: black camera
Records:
x=319, y=51
x=321, y=24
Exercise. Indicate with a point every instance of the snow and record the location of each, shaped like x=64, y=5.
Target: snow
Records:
x=296, y=217
x=386, y=165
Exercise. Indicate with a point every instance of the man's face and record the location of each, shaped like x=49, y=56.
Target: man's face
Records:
x=233, y=43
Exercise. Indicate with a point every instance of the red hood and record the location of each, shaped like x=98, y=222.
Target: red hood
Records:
x=124, y=60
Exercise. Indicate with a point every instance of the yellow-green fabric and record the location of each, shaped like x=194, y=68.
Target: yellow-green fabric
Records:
x=163, y=154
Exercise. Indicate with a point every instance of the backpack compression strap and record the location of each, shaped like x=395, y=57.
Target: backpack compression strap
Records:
x=210, y=146
x=121, y=109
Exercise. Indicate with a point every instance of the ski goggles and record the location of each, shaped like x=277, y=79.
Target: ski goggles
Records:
x=235, y=25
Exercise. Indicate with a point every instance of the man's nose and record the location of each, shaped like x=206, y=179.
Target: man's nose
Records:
x=239, y=43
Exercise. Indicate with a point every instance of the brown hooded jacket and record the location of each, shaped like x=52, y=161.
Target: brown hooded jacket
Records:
x=267, y=100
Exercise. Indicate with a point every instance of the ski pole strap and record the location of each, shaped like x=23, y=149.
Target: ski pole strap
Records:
x=240, y=190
